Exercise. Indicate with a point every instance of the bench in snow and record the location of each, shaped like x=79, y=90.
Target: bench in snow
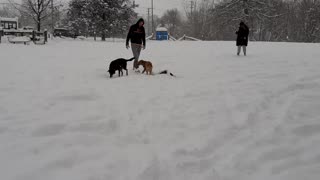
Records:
x=17, y=40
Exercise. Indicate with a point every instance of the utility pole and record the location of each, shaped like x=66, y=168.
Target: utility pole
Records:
x=191, y=8
x=152, y=16
x=52, y=18
x=148, y=21
x=192, y=18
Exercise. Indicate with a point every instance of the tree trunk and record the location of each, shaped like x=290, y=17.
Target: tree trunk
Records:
x=103, y=36
x=39, y=24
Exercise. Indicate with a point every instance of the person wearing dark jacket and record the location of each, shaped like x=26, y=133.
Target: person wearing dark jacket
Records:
x=242, y=39
x=137, y=37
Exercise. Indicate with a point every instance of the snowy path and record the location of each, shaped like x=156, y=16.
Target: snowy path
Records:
x=225, y=117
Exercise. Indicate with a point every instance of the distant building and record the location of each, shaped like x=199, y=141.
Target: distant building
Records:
x=162, y=33
x=9, y=23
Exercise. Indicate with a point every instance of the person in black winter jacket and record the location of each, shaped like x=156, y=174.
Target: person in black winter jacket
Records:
x=242, y=39
x=137, y=37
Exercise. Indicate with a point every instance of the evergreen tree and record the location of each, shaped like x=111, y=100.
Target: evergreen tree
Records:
x=104, y=17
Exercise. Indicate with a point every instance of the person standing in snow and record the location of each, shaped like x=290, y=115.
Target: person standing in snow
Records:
x=137, y=36
x=242, y=39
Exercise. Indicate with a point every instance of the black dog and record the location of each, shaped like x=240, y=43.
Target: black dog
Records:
x=118, y=65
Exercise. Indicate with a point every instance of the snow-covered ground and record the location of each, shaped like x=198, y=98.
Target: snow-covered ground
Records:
x=223, y=118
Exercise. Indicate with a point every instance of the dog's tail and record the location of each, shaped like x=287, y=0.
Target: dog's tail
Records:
x=131, y=59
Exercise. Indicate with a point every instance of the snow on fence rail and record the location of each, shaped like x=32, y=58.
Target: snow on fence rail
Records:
x=184, y=37
x=24, y=36
x=149, y=37
x=172, y=38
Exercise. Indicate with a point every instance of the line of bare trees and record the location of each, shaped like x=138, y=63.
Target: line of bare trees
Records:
x=269, y=20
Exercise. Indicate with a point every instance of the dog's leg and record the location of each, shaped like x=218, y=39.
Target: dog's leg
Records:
x=150, y=71
x=126, y=71
x=144, y=70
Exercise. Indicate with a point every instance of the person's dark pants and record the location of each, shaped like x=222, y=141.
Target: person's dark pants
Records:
x=244, y=50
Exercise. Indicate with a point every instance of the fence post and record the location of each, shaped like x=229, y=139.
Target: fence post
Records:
x=1, y=33
x=45, y=34
x=33, y=35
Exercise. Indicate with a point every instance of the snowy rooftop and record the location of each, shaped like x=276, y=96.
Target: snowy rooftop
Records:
x=8, y=19
x=18, y=30
x=161, y=29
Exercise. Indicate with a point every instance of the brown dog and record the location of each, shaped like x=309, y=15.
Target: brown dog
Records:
x=147, y=66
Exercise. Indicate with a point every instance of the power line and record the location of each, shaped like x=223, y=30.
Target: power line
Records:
x=159, y=9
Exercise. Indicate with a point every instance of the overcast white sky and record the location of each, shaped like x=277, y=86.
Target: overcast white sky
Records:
x=160, y=5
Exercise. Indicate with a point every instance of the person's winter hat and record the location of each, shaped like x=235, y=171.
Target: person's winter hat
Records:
x=241, y=23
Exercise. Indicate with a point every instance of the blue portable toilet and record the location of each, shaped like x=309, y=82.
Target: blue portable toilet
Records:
x=162, y=34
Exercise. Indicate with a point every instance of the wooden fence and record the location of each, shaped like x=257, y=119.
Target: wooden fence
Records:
x=35, y=36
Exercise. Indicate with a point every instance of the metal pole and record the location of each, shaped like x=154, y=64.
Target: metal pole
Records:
x=149, y=21
x=191, y=8
x=152, y=15
x=52, y=18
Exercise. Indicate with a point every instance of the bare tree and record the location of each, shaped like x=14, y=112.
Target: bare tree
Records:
x=7, y=11
x=38, y=10
x=308, y=20
x=172, y=19
x=199, y=15
x=269, y=20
